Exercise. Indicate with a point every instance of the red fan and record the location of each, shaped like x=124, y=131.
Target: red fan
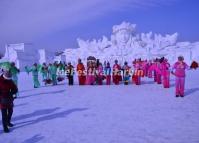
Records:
x=103, y=77
x=194, y=65
x=48, y=81
x=139, y=73
x=59, y=79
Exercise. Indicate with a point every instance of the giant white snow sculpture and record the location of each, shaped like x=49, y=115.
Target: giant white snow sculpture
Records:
x=125, y=45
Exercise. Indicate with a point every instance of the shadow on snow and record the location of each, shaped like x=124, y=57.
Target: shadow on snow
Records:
x=36, y=138
x=62, y=114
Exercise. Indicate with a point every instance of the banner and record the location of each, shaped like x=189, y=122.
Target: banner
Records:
x=17, y=47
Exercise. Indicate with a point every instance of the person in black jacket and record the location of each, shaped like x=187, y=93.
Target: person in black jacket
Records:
x=70, y=74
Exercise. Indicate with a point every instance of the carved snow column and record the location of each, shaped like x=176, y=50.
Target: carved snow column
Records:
x=11, y=52
x=42, y=56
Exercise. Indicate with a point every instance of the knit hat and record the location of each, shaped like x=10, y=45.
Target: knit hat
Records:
x=181, y=58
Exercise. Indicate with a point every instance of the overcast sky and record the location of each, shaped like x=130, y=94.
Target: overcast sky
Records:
x=56, y=24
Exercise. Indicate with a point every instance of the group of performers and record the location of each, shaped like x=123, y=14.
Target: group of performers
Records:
x=96, y=73
x=51, y=73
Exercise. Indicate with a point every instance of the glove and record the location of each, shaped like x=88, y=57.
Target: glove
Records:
x=15, y=96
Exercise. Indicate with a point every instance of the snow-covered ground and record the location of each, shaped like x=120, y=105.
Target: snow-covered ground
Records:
x=105, y=114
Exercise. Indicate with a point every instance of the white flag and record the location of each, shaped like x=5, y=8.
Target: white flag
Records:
x=19, y=46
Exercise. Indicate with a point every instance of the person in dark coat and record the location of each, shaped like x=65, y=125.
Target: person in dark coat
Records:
x=7, y=90
x=70, y=74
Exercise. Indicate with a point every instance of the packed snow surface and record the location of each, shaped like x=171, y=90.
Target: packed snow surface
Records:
x=105, y=114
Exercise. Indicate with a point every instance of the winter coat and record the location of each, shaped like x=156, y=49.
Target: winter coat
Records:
x=116, y=68
x=126, y=69
x=70, y=70
x=180, y=69
x=44, y=69
x=52, y=70
x=14, y=71
x=164, y=67
x=80, y=69
x=33, y=69
x=7, y=90
x=107, y=70
x=100, y=70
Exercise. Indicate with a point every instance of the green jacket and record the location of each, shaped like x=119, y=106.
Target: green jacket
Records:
x=14, y=71
x=53, y=70
x=33, y=69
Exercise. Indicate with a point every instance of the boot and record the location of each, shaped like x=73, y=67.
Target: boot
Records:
x=10, y=125
x=177, y=95
x=6, y=130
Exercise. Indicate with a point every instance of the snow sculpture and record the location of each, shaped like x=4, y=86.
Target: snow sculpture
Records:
x=121, y=38
x=125, y=45
x=22, y=55
x=42, y=56
x=11, y=52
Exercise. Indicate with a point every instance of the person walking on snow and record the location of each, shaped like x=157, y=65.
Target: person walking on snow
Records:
x=116, y=73
x=178, y=70
x=126, y=71
x=99, y=74
x=60, y=72
x=7, y=89
x=154, y=68
x=150, y=69
x=108, y=73
x=138, y=72
x=164, y=67
x=81, y=72
x=158, y=72
x=91, y=72
x=70, y=74
x=44, y=71
x=53, y=73
x=35, y=74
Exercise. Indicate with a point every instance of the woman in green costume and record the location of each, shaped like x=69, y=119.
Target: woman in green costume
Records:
x=53, y=73
x=35, y=74
x=44, y=72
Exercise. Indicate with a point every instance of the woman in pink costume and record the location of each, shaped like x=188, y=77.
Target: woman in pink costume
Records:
x=150, y=69
x=154, y=69
x=145, y=66
x=116, y=73
x=99, y=74
x=164, y=67
x=158, y=72
x=90, y=78
x=179, y=71
x=137, y=66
